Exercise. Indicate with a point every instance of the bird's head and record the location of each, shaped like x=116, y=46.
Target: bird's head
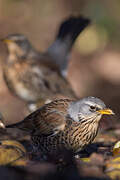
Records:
x=17, y=44
x=88, y=109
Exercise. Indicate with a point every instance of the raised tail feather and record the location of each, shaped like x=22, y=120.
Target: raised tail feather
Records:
x=71, y=28
x=67, y=34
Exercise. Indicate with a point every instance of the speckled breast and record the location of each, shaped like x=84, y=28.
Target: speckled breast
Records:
x=71, y=139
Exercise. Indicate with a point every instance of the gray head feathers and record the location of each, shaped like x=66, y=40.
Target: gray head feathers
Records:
x=85, y=108
x=20, y=40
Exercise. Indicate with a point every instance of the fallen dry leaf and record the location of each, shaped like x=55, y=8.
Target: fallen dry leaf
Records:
x=12, y=153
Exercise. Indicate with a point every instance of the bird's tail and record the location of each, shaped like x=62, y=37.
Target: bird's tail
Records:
x=12, y=126
x=67, y=34
x=21, y=125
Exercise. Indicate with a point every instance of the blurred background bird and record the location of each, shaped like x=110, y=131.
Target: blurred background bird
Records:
x=35, y=76
x=64, y=123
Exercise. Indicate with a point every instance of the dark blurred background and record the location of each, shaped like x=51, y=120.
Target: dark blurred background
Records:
x=94, y=67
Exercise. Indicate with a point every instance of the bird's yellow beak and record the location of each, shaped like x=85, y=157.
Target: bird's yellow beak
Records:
x=106, y=111
x=6, y=40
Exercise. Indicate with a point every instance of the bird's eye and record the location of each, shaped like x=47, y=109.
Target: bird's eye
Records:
x=93, y=108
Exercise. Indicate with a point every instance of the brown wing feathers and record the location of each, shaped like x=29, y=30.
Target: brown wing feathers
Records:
x=49, y=119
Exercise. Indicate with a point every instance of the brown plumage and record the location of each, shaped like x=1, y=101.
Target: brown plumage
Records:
x=34, y=81
x=64, y=123
x=34, y=76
